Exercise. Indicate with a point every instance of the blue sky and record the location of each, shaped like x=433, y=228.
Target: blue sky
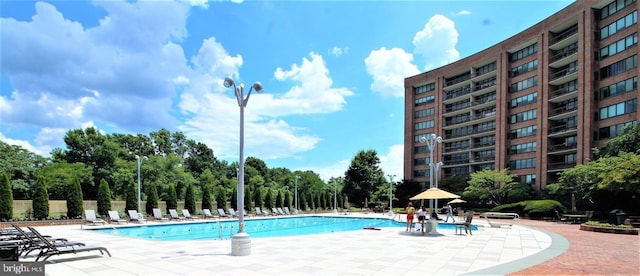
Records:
x=333, y=71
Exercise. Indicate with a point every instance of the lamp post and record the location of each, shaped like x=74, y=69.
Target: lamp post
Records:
x=391, y=176
x=296, y=195
x=139, y=163
x=335, y=197
x=437, y=169
x=431, y=142
x=240, y=242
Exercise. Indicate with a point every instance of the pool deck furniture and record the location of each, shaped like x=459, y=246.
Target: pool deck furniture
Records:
x=173, y=214
x=114, y=217
x=134, y=216
x=52, y=249
x=90, y=217
x=207, y=214
x=504, y=219
x=222, y=213
x=157, y=215
x=187, y=215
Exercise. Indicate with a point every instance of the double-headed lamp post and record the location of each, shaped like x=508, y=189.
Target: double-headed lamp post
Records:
x=437, y=169
x=139, y=184
x=296, y=195
x=431, y=141
x=240, y=242
x=391, y=176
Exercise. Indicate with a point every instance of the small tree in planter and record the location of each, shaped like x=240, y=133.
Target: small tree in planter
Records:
x=104, y=198
x=152, y=198
x=74, y=199
x=206, y=197
x=131, y=197
x=6, y=198
x=40, y=202
x=221, y=197
x=172, y=198
x=189, y=200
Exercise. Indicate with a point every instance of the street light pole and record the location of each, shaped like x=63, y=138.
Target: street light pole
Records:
x=437, y=168
x=431, y=142
x=296, y=195
x=391, y=176
x=335, y=197
x=240, y=242
x=139, y=163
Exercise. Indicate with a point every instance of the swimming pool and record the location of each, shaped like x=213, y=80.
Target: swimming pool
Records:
x=256, y=228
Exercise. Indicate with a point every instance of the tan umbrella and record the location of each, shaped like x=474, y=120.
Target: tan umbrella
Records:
x=457, y=200
x=434, y=193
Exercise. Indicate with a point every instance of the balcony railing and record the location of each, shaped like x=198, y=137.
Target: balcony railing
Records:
x=563, y=35
x=562, y=109
x=483, y=144
x=561, y=128
x=457, y=120
x=459, y=79
x=457, y=92
x=562, y=147
x=561, y=165
x=563, y=54
x=478, y=72
x=456, y=148
x=563, y=72
x=484, y=85
x=484, y=115
x=451, y=108
x=564, y=90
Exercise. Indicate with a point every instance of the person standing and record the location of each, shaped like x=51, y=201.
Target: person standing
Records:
x=410, y=211
x=449, y=214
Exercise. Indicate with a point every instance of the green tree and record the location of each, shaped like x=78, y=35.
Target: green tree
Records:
x=221, y=197
x=131, y=197
x=248, y=194
x=152, y=198
x=363, y=176
x=104, y=198
x=172, y=198
x=40, y=203
x=234, y=198
x=6, y=198
x=268, y=199
x=258, y=198
x=74, y=199
x=206, y=197
x=189, y=200
x=21, y=165
x=628, y=141
x=623, y=173
x=280, y=198
x=494, y=185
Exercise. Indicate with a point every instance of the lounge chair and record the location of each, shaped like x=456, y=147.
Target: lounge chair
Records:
x=222, y=213
x=114, y=217
x=232, y=213
x=157, y=215
x=53, y=249
x=207, y=214
x=135, y=216
x=31, y=241
x=286, y=210
x=259, y=212
x=267, y=213
x=173, y=214
x=280, y=211
x=90, y=217
x=187, y=215
x=274, y=211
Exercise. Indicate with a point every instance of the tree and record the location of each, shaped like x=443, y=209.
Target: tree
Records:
x=363, y=176
x=221, y=197
x=131, y=197
x=189, y=200
x=74, y=199
x=40, y=203
x=6, y=198
x=623, y=173
x=628, y=141
x=259, y=202
x=493, y=185
x=152, y=198
x=104, y=198
x=268, y=199
x=280, y=198
x=206, y=197
x=172, y=198
x=21, y=166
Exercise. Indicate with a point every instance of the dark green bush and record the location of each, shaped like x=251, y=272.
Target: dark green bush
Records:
x=152, y=198
x=74, y=199
x=533, y=208
x=104, y=198
x=172, y=198
x=131, y=197
x=40, y=202
x=190, y=200
x=206, y=197
x=6, y=198
x=221, y=197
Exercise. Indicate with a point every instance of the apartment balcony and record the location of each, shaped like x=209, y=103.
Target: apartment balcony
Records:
x=563, y=94
x=458, y=107
x=563, y=57
x=456, y=93
x=560, y=166
x=488, y=115
x=456, y=120
x=483, y=145
x=455, y=162
x=563, y=112
x=483, y=88
x=563, y=75
x=563, y=130
x=564, y=38
x=456, y=149
x=562, y=148
x=457, y=81
x=477, y=75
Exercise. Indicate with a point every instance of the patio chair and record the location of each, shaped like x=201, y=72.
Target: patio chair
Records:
x=187, y=215
x=259, y=212
x=222, y=213
x=31, y=241
x=52, y=249
x=280, y=211
x=232, y=213
x=286, y=210
x=466, y=225
x=274, y=211
x=157, y=215
x=90, y=217
x=114, y=217
x=135, y=216
x=173, y=214
x=267, y=213
x=207, y=214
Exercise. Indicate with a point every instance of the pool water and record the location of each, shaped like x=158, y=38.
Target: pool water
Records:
x=256, y=228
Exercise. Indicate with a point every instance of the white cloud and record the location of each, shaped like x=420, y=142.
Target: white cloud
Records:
x=336, y=169
x=388, y=69
x=437, y=42
x=392, y=163
x=463, y=12
x=338, y=51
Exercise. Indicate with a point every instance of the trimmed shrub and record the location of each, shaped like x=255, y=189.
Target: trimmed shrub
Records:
x=40, y=199
x=172, y=198
x=533, y=208
x=104, y=198
x=189, y=200
x=131, y=197
x=206, y=197
x=152, y=198
x=221, y=197
x=6, y=198
x=74, y=199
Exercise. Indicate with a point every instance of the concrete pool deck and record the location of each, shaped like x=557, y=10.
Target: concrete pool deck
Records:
x=390, y=251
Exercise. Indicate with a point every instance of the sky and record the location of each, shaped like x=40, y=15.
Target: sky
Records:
x=333, y=71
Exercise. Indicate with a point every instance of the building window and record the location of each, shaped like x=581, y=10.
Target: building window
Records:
x=420, y=173
x=522, y=148
x=524, y=84
x=425, y=112
x=624, y=86
x=619, y=46
x=614, y=131
x=425, y=88
x=524, y=100
x=524, y=116
x=420, y=149
x=530, y=50
x=619, y=109
x=613, y=7
x=528, y=179
x=425, y=100
x=523, y=132
x=421, y=161
x=620, y=24
x=522, y=164
x=527, y=67
x=424, y=125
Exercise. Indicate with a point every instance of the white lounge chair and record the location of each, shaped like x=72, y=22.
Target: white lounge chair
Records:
x=274, y=211
x=259, y=212
x=187, y=215
x=90, y=217
x=157, y=215
x=135, y=216
x=222, y=213
x=173, y=214
x=286, y=210
x=207, y=214
x=114, y=217
x=280, y=211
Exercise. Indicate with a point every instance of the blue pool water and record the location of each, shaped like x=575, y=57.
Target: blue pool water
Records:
x=268, y=227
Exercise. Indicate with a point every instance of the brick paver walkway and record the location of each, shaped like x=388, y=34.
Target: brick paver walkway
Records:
x=589, y=253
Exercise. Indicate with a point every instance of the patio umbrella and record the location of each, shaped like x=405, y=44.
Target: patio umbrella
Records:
x=434, y=193
x=457, y=200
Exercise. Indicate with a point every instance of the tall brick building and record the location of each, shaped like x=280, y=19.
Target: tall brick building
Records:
x=536, y=103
